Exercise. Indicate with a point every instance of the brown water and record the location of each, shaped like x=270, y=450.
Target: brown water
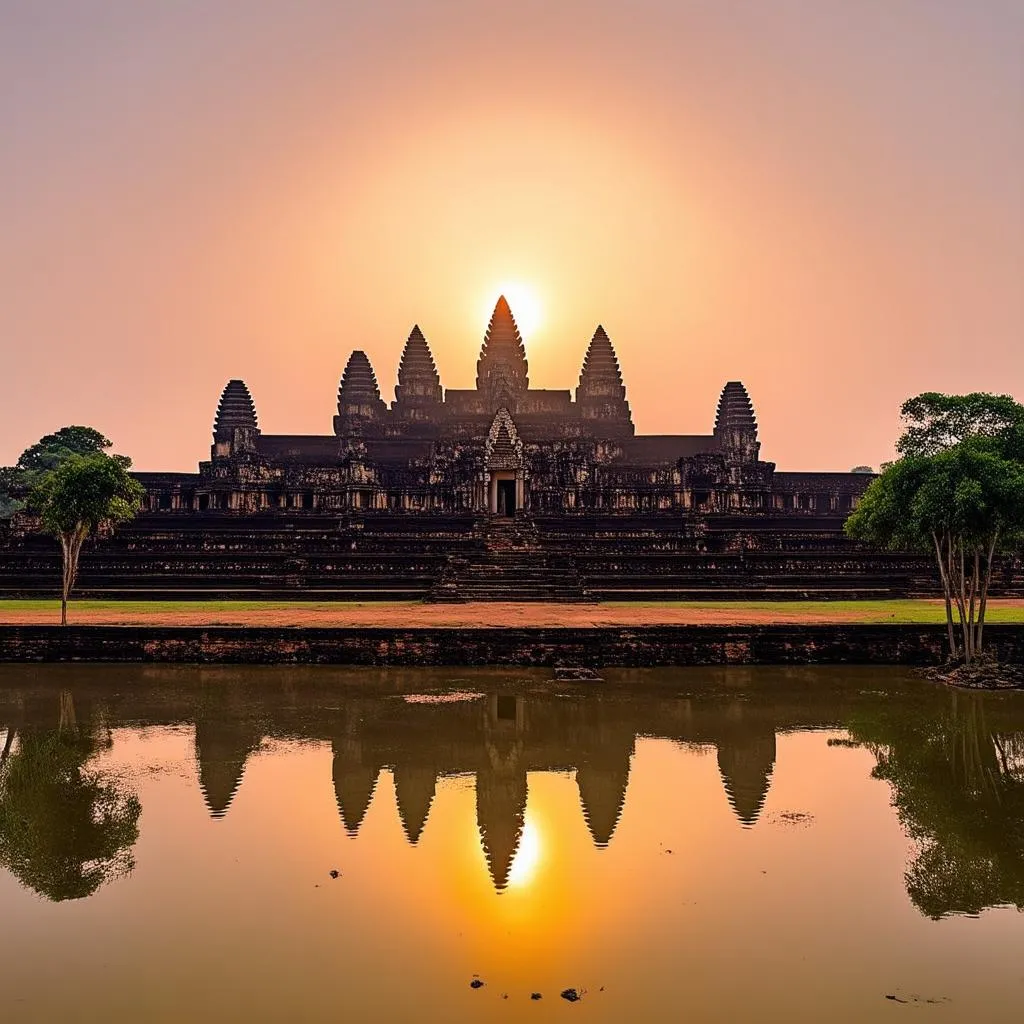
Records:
x=694, y=845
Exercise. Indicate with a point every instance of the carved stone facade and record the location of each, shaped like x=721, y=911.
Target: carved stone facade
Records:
x=501, y=448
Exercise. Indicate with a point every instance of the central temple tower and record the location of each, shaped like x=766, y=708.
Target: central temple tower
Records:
x=502, y=371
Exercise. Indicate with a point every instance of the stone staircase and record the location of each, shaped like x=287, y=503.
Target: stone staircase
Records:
x=509, y=566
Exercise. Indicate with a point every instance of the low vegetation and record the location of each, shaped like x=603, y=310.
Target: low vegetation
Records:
x=957, y=490
x=75, y=488
x=416, y=613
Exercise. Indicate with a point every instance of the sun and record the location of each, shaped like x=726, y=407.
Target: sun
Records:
x=524, y=303
x=524, y=863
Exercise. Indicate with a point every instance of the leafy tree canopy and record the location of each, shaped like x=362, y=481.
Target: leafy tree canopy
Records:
x=74, y=499
x=64, y=831
x=958, y=491
x=957, y=778
x=85, y=491
x=935, y=422
x=47, y=454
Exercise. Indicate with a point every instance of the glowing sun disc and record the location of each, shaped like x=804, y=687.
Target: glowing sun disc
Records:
x=527, y=857
x=524, y=303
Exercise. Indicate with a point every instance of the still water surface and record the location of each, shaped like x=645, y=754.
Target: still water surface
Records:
x=693, y=845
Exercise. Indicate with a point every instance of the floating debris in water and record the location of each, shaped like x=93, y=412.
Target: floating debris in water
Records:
x=453, y=697
x=476, y=983
x=572, y=995
x=577, y=673
x=801, y=818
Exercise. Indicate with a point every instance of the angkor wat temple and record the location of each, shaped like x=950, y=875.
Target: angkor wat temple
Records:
x=501, y=448
x=501, y=491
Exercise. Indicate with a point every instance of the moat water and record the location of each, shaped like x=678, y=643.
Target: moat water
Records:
x=698, y=845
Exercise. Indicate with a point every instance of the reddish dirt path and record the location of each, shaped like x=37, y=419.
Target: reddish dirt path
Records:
x=469, y=615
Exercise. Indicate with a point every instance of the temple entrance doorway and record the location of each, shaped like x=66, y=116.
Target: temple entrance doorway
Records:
x=506, y=497
x=503, y=494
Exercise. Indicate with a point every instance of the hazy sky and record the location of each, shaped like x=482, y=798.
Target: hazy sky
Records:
x=823, y=198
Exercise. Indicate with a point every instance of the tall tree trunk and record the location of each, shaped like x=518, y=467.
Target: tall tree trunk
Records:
x=974, y=594
x=956, y=585
x=985, y=583
x=71, y=547
x=65, y=587
x=965, y=623
x=944, y=576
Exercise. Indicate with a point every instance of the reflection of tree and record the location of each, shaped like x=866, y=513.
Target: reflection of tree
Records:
x=64, y=831
x=958, y=786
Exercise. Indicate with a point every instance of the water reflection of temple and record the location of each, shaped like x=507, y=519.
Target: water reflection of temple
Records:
x=955, y=762
x=497, y=737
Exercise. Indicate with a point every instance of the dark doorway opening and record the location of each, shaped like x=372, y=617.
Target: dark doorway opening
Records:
x=506, y=497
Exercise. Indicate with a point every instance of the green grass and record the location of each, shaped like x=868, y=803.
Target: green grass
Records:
x=895, y=611
x=914, y=611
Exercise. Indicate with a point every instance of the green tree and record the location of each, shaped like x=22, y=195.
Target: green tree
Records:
x=935, y=422
x=75, y=499
x=956, y=770
x=10, y=479
x=53, y=449
x=958, y=491
x=17, y=481
x=64, y=830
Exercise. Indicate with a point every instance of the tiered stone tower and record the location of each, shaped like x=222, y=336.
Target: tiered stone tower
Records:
x=502, y=371
x=735, y=425
x=601, y=395
x=359, y=401
x=418, y=394
x=235, y=427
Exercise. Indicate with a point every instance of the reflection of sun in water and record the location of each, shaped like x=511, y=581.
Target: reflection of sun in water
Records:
x=524, y=864
x=524, y=303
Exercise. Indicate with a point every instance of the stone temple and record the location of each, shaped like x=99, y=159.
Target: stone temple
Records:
x=498, y=492
x=500, y=449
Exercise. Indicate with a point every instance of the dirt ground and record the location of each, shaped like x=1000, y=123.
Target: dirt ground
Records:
x=454, y=616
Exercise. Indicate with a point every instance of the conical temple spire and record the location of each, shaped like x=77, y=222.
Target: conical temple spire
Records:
x=601, y=394
x=602, y=797
x=500, y=813
x=735, y=424
x=746, y=763
x=235, y=409
x=414, y=793
x=502, y=370
x=735, y=410
x=600, y=375
x=418, y=380
x=354, y=783
x=222, y=749
x=359, y=398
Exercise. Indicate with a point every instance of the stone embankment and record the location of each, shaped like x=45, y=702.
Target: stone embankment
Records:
x=611, y=646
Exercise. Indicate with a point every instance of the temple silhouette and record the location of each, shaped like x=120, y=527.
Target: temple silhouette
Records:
x=499, y=492
x=501, y=448
x=964, y=799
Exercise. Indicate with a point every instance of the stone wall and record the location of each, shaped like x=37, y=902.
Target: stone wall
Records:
x=606, y=646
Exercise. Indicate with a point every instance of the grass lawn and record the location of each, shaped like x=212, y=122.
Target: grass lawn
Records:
x=915, y=611
x=401, y=614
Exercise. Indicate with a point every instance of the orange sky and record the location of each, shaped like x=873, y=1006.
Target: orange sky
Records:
x=824, y=200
